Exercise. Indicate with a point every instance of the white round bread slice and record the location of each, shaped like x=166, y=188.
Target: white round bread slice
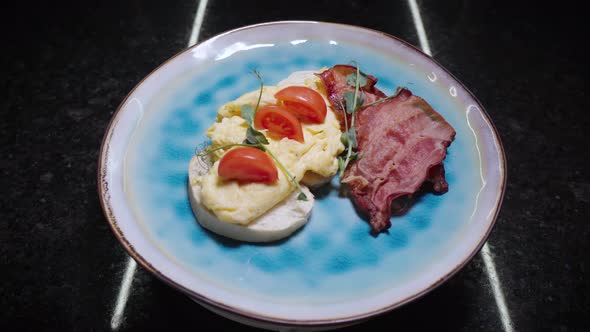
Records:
x=280, y=222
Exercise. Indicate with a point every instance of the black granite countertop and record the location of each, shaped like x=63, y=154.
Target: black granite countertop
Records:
x=68, y=66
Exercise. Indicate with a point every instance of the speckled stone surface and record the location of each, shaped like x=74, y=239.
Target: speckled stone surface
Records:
x=67, y=67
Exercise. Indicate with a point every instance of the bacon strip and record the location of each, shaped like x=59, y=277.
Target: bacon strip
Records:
x=335, y=82
x=402, y=143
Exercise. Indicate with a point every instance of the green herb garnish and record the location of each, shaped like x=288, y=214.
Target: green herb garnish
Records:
x=247, y=112
x=352, y=78
x=253, y=136
x=352, y=103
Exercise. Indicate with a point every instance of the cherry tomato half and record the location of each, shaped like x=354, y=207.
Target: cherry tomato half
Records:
x=279, y=122
x=247, y=164
x=307, y=104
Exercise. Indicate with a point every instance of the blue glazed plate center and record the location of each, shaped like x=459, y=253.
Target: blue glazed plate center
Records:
x=333, y=257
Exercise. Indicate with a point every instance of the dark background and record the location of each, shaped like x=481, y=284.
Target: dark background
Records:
x=66, y=66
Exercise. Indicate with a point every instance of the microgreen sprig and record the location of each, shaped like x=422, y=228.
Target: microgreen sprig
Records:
x=352, y=102
x=247, y=111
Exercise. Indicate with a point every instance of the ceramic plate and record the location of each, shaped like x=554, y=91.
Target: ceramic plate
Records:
x=332, y=271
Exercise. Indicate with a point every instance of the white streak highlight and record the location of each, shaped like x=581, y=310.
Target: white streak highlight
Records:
x=123, y=295
x=488, y=261
x=419, y=27
x=196, y=30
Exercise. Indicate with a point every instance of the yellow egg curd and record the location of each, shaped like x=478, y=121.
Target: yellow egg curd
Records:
x=241, y=203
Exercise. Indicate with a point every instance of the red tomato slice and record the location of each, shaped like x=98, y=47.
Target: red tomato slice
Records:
x=279, y=122
x=247, y=164
x=307, y=104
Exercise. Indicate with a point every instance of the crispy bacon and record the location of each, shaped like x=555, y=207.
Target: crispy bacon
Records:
x=336, y=85
x=402, y=142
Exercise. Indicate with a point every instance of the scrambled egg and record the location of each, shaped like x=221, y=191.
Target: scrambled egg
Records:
x=238, y=203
